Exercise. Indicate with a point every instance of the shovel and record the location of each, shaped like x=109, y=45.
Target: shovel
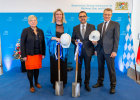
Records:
x=58, y=84
x=75, y=85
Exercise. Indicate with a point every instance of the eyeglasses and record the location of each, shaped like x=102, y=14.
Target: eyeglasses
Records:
x=82, y=16
x=107, y=14
x=32, y=20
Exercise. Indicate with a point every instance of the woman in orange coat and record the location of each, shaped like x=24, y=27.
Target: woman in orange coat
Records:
x=33, y=50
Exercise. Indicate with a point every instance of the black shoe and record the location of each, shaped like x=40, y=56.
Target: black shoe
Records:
x=112, y=90
x=87, y=88
x=97, y=85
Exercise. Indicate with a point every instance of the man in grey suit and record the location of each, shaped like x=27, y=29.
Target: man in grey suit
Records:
x=82, y=32
x=107, y=48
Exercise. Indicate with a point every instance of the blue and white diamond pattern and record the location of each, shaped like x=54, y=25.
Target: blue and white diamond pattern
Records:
x=128, y=56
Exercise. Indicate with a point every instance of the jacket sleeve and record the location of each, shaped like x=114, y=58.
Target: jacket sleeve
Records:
x=49, y=34
x=90, y=33
x=23, y=43
x=116, y=37
x=96, y=48
x=73, y=36
x=43, y=44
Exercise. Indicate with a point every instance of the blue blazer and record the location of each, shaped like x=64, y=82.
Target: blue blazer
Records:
x=51, y=32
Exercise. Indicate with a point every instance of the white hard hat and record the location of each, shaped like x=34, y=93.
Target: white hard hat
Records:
x=94, y=35
x=65, y=40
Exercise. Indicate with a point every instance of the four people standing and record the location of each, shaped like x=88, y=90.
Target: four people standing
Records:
x=33, y=48
x=107, y=48
x=82, y=32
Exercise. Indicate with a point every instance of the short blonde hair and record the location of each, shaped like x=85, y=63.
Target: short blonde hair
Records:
x=108, y=9
x=31, y=16
x=63, y=16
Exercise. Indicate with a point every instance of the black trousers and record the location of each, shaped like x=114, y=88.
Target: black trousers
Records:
x=30, y=74
x=102, y=57
x=54, y=70
x=87, y=60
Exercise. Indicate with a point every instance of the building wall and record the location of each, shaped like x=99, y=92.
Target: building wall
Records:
x=136, y=26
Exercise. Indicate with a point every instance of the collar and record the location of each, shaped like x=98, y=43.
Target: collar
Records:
x=83, y=24
x=32, y=29
x=106, y=21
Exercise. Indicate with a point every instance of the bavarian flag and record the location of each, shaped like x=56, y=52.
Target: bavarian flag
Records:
x=138, y=56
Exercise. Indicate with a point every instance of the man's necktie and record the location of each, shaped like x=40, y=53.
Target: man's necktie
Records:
x=104, y=28
x=83, y=31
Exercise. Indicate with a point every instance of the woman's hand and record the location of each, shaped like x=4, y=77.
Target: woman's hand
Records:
x=25, y=58
x=43, y=56
x=55, y=38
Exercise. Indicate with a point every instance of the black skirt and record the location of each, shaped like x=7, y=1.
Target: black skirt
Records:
x=54, y=70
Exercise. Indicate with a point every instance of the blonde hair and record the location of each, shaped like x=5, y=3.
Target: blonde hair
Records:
x=108, y=9
x=31, y=16
x=63, y=16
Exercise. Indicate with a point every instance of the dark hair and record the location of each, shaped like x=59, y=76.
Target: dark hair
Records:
x=82, y=12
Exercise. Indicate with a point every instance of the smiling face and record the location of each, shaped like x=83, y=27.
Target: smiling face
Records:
x=107, y=15
x=58, y=16
x=32, y=22
x=83, y=18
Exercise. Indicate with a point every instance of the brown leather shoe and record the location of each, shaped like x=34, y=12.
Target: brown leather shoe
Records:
x=32, y=89
x=112, y=90
x=87, y=88
x=38, y=85
x=97, y=85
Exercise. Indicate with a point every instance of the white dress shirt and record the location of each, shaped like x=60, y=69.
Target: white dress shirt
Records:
x=84, y=27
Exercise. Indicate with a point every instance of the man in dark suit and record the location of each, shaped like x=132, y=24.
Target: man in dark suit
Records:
x=107, y=48
x=82, y=32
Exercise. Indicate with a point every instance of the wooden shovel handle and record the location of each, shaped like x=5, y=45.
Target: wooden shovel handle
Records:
x=59, y=62
x=77, y=62
x=76, y=72
x=58, y=57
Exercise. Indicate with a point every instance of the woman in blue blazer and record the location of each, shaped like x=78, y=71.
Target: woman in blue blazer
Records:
x=54, y=32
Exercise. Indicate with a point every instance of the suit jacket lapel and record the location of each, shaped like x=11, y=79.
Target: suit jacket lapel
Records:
x=108, y=27
x=87, y=28
x=100, y=29
x=79, y=32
